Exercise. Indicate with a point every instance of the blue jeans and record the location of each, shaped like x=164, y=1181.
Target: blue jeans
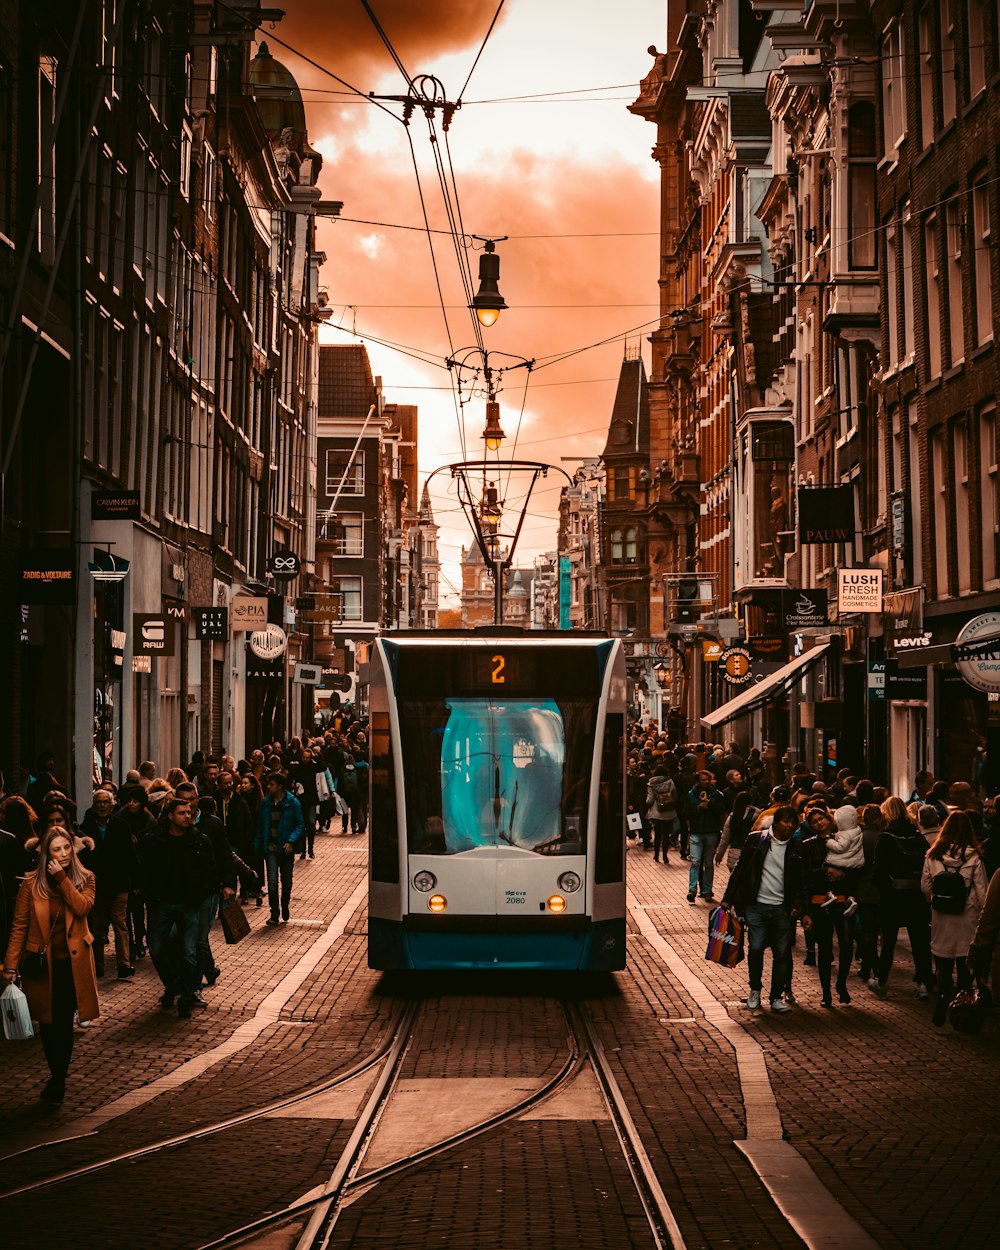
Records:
x=702, y=851
x=177, y=969
x=768, y=926
x=279, y=865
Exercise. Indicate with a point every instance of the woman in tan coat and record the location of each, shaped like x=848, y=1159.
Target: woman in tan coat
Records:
x=50, y=918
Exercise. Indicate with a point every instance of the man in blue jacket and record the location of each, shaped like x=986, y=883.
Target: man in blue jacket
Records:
x=706, y=810
x=280, y=828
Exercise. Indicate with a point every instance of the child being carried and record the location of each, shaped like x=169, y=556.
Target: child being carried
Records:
x=845, y=853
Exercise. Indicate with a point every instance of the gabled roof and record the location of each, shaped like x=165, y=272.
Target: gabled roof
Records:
x=628, y=432
x=346, y=385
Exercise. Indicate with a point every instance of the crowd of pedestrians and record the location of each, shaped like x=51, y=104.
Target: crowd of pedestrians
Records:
x=151, y=862
x=850, y=863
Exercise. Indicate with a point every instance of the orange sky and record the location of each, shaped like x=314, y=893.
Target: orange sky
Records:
x=575, y=164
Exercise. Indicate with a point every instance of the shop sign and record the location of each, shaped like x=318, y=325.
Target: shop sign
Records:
x=265, y=670
x=734, y=666
x=876, y=680
x=142, y=664
x=803, y=609
x=977, y=651
x=249, y=612
x=826, y=514
x=897, y=516
x=327, y=609
x=268, y=643
x=47, y=575
x=211, y=623
x=710, y=650
x=904, y=683
x=308, y=674
x=119, y=505
x=284, y=565
x=152, y=634
x=768, y=646
x=859, y=590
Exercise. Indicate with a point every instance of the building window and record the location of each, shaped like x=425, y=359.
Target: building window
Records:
x=907, y=325
x=628, y=609
x=989, y=479
x=862, y=157
x=341, y=469
x=926, y=74
x=47, y=68
x=892, y=293
x=932, y=281
x=109, y=49
x=349, y=591
x=956, y=294
x=981, y=272
x=976, y=39
x=617, y=548
x=947, y=61
x=773, y=441
x=960, y=468
x=893, y=94
x=631, y=546
x=622, y=482
x=348, y=535
x=208, y=183
x=185, y=170
x=939, y=494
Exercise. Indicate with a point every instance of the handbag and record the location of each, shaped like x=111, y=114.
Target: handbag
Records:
x=966, y=1011
x=34, y=964
x=235, y=925
x=634, y=821
x=340, y=804
x=16, y=1015
x=725, y=938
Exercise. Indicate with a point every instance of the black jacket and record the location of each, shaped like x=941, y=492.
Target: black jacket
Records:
x=200, y=874
x=744, y=884
x=238, y=822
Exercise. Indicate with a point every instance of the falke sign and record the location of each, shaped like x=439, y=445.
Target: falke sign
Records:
x=152, y=634
x=284, y=565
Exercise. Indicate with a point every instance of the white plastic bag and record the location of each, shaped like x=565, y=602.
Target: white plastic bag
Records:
x=16, y=1016
x=340, y=803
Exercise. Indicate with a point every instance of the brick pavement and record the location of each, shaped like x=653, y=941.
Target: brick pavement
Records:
x=867, y=1092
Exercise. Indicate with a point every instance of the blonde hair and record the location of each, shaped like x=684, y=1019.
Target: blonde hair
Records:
x=42, y=884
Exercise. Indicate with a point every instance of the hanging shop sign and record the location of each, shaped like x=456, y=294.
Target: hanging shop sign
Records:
x=734, y=666
x=710, y=650
x=119, y=505
x=904, y=620
x=768, y=646
x=876, y=680
x=826, y=514
x=268, y=643
x=249, y=612
x=142, y=664
x=904, y=684
x=859, y=590
x=152, y=634
x=47, y=575
x=284, y=565
x=977, y=652
x=308, y=674
x=211, y=623
x=803, y=609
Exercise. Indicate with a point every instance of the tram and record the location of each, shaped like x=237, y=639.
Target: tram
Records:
x=497, y=801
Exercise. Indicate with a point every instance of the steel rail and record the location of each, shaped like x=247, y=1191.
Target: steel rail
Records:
x=183, y=1139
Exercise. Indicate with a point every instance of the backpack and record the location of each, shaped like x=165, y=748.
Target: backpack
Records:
x=949, y=891
x=666, y=801
x=908, y=862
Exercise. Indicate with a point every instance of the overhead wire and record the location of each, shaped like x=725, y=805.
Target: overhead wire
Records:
x=482, y=47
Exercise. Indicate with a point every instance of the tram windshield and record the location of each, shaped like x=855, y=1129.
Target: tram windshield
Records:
x=489, y=773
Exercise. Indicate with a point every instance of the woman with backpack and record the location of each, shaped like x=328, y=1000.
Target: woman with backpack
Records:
x=661, y=810
x=954, y=883
x=899, y=863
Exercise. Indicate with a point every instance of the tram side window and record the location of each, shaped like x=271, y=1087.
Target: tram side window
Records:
x=384, y=840
x=609, y=858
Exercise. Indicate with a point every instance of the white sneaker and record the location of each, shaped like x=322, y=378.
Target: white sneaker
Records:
x=923, y=993
x=753, y=1000
x=779, y=1005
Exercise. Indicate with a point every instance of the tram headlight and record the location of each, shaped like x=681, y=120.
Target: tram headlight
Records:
x=557, y=903
x=424, y=881
x=569, y=882
x=437, y=902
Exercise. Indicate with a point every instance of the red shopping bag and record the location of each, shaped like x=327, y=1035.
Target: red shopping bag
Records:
x=725, y=938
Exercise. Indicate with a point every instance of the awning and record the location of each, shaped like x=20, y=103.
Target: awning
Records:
x=770, y=687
